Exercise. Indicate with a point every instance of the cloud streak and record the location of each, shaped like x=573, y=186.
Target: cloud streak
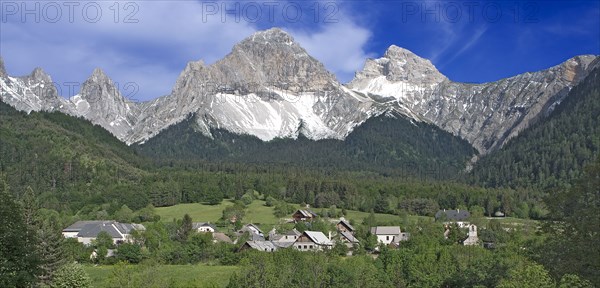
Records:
x=165, y=35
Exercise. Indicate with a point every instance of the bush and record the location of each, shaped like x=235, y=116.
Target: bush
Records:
x=131, y=253
x=71, y=275
x=247, y=199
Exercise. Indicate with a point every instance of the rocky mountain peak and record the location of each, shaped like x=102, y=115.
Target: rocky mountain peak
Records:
x=272, y=36
x=100, y=88
x=2, y=69
x=399, y=65
x=194, y=66
x=98, y=75
x=576, y=68
x=40, y=76
x=397, y=53
x=266, y=58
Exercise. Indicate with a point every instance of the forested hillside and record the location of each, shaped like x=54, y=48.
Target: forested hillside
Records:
x=553, y=151
x=387, y=144
x=62, y=157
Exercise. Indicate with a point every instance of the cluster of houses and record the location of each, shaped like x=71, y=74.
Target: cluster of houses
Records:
x=86, y=231
x=317, y=240
x=460, y=218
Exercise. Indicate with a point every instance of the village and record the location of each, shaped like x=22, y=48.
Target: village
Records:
x=251, y=237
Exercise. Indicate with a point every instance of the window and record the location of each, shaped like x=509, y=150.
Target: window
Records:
x=387, y=238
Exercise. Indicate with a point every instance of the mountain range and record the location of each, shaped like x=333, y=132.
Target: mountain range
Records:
x=269, y=87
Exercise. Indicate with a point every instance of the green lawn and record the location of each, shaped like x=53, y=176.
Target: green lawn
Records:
x=258, y=213
x=198, y=212
x=175, y=275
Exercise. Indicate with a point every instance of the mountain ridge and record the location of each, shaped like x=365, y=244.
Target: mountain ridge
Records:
x=268, y=86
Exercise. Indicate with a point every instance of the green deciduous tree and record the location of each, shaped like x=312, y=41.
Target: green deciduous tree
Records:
x=124, y=215
x=71, y=275
x=528, y=275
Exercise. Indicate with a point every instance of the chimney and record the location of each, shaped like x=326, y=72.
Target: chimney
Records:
x=329, y=235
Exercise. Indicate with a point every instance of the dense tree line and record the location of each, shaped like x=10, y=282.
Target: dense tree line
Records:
x=387, y=144
x=80, y=169
x=551, y=153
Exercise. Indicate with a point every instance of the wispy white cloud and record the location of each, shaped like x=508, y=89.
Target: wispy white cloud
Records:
x=474, y=39
x=153, y=51
x=339, y=46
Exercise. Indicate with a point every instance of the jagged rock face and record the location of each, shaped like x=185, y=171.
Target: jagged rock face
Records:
x=399, y=64
x=101, y=102
x=2, y=69
x=34, y=92
x=487, y=115
x=269, y=87
x=98, y=101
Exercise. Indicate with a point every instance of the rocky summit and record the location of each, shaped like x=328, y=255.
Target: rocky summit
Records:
x=268, y=86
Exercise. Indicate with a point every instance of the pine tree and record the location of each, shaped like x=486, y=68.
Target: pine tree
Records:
x=18, y=260
x=50, y=249
x=185, y=228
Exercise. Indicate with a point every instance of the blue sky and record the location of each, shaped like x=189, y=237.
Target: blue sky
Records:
x=149, y=42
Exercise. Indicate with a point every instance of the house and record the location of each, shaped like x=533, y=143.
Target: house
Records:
x=313, y=241
x=204, y=227
x=73, y=230
x=348, y=238
x=457, y=216
x=290, y=236
x=254, y=233
x=265, y=246
x=389, y=234
x=303, y=215
x=87, y=231
x=221, y=237
x=344, y=226
x=472, y=239
x=252, y=229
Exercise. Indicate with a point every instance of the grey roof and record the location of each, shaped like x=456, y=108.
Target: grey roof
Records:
x=318, y=237
x=349, y=236
x=385, y=230
x=256, y=237
x=453, y=215
x=262, y=245
x=347, y=224
x=113, y=228
x=245, y=228
x=293, y=232
x=77, y=226
x=306, y=213
x=92, y=230
x=198, y=225
x=221, y=237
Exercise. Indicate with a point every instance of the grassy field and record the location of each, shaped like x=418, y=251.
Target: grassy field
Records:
x=257, y=213
x=175, y=275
